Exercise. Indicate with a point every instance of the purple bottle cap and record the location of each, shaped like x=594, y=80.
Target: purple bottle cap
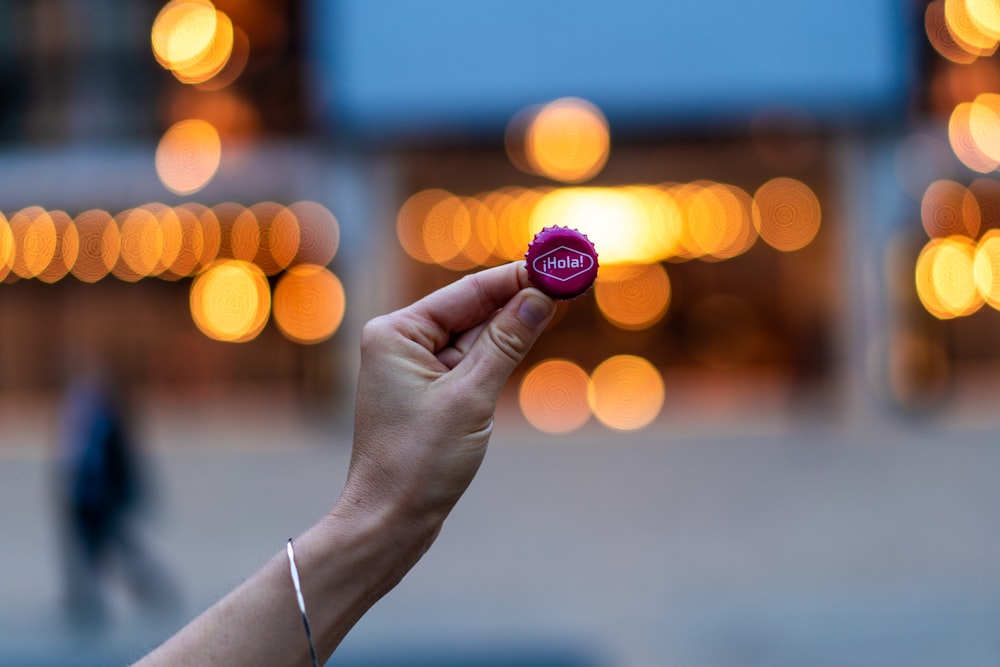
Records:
x=562, y=262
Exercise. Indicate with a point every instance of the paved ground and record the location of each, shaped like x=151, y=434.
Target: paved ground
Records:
x=718, y=544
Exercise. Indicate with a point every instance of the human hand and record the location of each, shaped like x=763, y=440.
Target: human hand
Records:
x=430, y=378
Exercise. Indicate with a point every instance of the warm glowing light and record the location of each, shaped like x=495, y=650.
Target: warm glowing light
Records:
x=987, y=194
x=209, y=231
x=190, y=247
x=483, y=239
x=567, y=140
x=949, y=208
x=99, y=243
x=66, y=249
x=786, y=214
x=615, y=221
x=986, y=268
x=446, y=231
x=183, y=32
x=141, y=244
x=719, y=221
x=226, y=214
x=945, y=278
x=553, y=396
x=664, y=216
x=965, y=31
x=941, y=38
x=319, y=233
x=239, y=56
x=309, y=303
x=633, y=297
x=514, y=212
x=34, y=241
x=230, y=301
x=188, y=156
x=626, y=392
x=984, y=124
x=278, y=231
x=985, y=15
x=213, y=59
x=411, y=220
x=964, y=144
x=245, y=236
x=6, y=247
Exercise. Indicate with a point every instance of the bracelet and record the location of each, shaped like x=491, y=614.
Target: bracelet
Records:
x=302, y=602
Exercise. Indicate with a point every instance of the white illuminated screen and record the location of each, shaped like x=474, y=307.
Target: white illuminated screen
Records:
x=391, y=65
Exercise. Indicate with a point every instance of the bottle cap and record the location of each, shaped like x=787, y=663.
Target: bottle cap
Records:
x=562, y=262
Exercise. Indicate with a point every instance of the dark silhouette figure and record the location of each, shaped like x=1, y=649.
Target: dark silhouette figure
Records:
x=101, y=483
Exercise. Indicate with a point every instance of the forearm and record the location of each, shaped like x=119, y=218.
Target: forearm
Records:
x=346, y=562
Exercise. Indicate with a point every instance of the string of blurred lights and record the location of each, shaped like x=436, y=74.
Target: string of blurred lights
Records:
x=958, y=269
x=624, y=392
x=228, y=249
x=636, y=229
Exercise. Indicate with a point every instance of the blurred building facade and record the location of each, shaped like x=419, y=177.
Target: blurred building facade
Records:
x=759, y=191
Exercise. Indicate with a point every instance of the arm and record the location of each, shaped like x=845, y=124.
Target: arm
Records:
x=430, y=378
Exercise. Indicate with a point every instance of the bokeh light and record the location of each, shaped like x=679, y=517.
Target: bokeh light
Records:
x=446, y=230
x=553, y=396
x=986, y=268
x=948, y=209
x=626, y=392
x=633, y=297
x=309, y=303
x=984, y=124
x=238, y=58
x=99, y=245
x=183, y=31
x=985, y=14
x=319, y=233
x=230, y=301
x=719, y=221
x=213, y=59
x=34, y=237
x=945, y=278
x=940, y=36
x=195, y=41
x=615, y=221
x=411, y=220
x=963, y=142
x=188, y=156
x=6, y=247
x=786, y=213
x=567, y=140
x=965, y=30
x=141, y=244
x=629, y=224
x=66, y=249
x=191, y=243
x=278, y=231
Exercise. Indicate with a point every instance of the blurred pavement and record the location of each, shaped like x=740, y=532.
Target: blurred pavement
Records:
x=710, y=544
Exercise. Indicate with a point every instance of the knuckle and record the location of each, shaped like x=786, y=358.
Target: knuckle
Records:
x=507, y=342
x=375, y=333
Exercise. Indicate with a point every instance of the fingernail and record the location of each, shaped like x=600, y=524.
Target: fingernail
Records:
x=534, y=310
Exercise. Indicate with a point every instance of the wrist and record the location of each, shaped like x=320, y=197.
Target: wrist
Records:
x=386, y=539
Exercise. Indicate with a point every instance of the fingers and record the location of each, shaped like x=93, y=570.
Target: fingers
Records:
x=467, y=303
x=507, y=338
x=454, y=353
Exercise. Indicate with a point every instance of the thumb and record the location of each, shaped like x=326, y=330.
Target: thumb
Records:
x=508, y=337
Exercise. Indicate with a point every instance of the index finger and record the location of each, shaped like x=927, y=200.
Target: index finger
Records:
x=473, y=299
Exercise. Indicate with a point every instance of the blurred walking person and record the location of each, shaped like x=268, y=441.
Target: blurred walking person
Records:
x=101, y=487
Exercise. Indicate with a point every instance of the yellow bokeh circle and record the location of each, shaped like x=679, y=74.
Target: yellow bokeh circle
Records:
x=553, y=396
x=230, y=301
x=626, y=392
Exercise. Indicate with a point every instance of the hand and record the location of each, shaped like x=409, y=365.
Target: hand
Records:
x=429, y=382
